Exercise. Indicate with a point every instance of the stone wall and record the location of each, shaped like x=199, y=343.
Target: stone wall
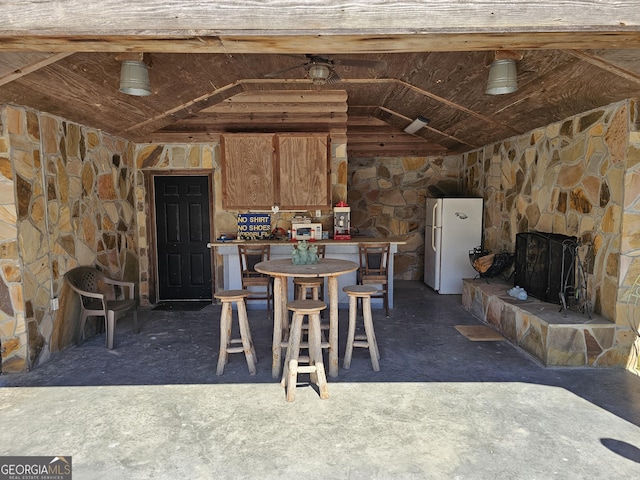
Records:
x=205, y=159
x=628, y=304
x=387, y=198
x=13, y=327
x=566, y=178
x=73, y=205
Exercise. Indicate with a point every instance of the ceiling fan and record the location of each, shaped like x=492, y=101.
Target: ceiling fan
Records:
x=321, y=69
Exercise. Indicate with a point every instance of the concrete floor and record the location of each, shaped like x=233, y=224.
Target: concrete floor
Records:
x=442, y=407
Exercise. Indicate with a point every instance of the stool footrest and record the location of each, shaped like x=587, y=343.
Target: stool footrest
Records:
x=235, y=349
x=306, y=369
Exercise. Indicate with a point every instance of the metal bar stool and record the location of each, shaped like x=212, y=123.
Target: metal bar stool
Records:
x=368, y=340
x=312, y=309
x=228, y=297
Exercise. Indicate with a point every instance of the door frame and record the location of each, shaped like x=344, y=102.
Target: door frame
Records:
x=149, y=185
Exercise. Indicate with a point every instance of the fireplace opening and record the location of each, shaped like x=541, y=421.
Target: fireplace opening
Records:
x=545, y=265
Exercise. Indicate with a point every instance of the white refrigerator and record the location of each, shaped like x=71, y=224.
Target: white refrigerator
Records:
x=453, y=228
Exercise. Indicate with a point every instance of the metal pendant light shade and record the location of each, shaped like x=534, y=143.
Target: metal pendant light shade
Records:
x=502, y=77
x=134, y=78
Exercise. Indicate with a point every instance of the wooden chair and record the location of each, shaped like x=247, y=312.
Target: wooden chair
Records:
x=374, y=268
x=249, y=256
x=99, y=298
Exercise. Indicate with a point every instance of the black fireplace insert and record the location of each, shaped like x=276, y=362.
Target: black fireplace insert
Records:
x=545, y=265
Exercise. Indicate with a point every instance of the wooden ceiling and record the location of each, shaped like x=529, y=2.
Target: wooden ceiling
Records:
x=204, y=84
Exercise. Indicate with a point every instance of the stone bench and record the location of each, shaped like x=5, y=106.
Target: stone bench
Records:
x=539, y=328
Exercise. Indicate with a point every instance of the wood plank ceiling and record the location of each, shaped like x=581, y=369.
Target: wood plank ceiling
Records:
x=198, y=96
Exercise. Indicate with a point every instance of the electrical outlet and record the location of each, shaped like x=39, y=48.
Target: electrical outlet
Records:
x=318, y=213
x=55, y=304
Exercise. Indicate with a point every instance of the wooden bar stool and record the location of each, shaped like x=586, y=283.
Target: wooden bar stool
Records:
x=312, y=309
x=314, y=285
x=368, y=340
x=228, y=297
x=303, y=285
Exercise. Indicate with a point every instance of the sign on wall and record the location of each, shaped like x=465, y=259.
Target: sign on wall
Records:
x=253, y=226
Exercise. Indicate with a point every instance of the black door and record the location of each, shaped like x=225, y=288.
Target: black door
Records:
x=183, y=231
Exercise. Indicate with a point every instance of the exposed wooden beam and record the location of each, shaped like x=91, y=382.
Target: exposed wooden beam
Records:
x=243, y=25
x=32, y=67
x=232, y=107
x=427, y=127
x=371, y=150
x=179, y=137
x=604, y=64
x=299, y=96
x=258, y=118
x=181, y=111
x=437, y=98
x=329, y=44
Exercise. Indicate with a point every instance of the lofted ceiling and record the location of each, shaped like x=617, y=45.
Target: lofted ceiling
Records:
x=227, y=83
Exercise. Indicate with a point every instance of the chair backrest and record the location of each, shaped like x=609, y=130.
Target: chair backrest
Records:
x=91, y=280
x=250, y=255
x=86, y=279
x=374, y=258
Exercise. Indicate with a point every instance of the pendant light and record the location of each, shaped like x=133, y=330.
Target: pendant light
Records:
x=503, y=77
x=134, y=78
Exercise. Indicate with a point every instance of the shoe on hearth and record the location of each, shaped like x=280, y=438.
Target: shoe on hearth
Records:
x=513, y=292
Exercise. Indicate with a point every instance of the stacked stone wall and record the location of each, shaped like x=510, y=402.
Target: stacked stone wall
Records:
x=566, y=178
x=387, y=197
x=13, y=328
x=628, y=306
x=73, y=205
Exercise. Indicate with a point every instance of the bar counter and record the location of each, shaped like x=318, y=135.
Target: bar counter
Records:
x=342, y=249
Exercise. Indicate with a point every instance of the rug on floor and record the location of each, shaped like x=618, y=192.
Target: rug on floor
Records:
x=479, y=333
x=181, y=306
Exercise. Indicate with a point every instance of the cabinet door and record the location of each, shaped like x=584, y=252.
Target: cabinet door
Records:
x=304, y=171
x=247, y=171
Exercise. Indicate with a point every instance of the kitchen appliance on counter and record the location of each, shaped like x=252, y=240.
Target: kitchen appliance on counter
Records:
x=453, y=228
x=306, y=231
x=342, y=221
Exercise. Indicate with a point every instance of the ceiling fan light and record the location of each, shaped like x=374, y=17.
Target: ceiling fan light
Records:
x=319, y=74
x=134, y=78
x=503, y=77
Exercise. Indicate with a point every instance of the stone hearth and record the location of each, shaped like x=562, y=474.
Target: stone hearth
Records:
x=555, y=339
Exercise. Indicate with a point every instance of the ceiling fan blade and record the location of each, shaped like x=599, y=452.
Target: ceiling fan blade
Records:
x=352, y=62
x=333, y=77
x=284, y=70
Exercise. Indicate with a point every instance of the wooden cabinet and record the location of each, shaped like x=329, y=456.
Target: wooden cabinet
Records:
x=290, y=170
x=248, y=163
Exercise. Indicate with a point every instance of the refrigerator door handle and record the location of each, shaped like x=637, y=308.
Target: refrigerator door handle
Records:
x=433, y=227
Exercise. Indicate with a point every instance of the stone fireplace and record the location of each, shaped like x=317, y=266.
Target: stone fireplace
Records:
x=545, y=265
x=579, y=178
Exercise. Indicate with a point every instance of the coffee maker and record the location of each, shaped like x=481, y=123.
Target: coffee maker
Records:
x=341, y=222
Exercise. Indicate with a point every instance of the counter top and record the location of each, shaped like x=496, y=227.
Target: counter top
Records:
x=353, y=241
